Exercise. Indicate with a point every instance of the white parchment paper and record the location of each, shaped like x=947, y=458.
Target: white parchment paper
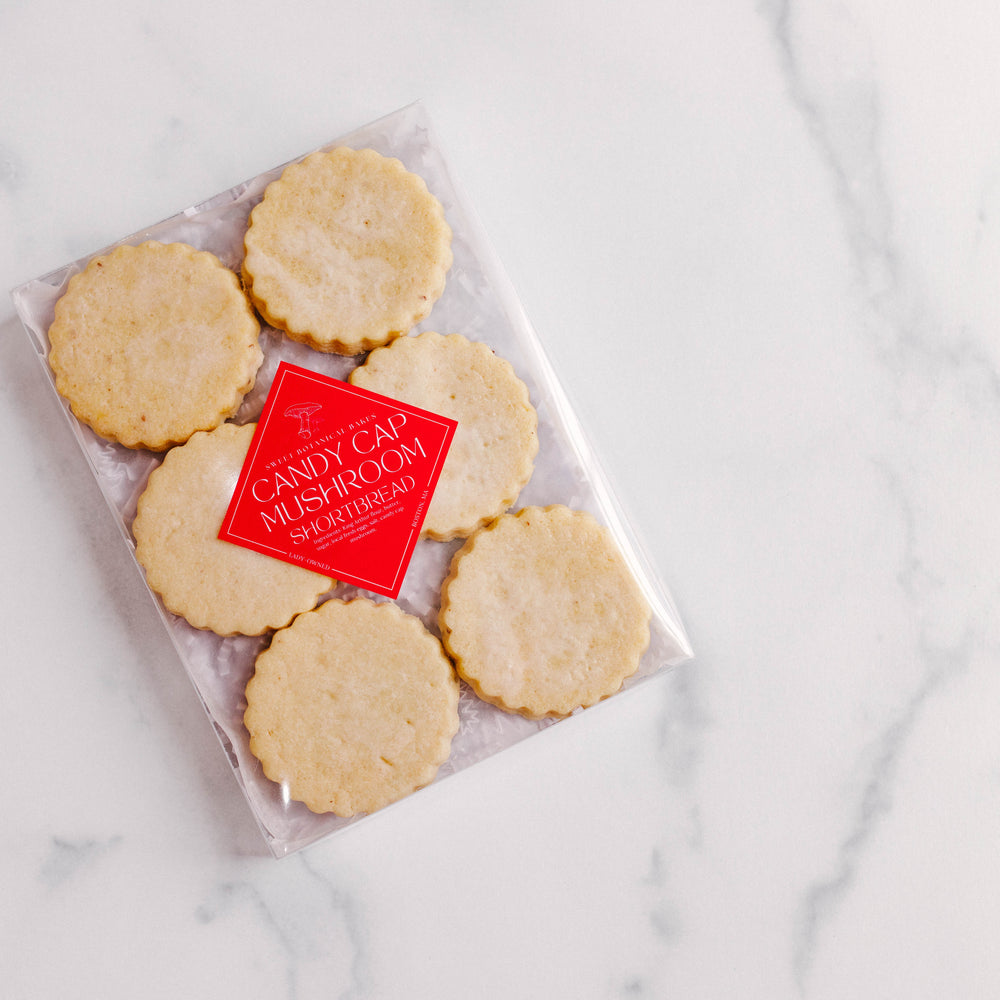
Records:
x=477, y=302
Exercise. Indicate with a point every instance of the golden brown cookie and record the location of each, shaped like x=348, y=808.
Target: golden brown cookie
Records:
x=541, y=614
x=151, y=343
x=352, y=707
x=347, y=250
x=213, y=584
x=492, y=454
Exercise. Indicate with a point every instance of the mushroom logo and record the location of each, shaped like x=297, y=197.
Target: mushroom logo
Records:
x=302, y=412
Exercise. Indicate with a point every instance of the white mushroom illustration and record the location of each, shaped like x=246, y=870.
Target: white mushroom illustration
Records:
x=302, y=412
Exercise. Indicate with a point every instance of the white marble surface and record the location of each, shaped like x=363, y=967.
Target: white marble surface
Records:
x=761, y=243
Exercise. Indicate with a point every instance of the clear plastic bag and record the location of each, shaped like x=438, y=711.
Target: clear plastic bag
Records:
x=477, y=302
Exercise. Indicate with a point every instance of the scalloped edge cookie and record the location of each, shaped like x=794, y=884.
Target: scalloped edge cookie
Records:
x=346, y=251
x=491, y=457
x=151, y=343
x=352, y=707
x=541, y=614
x=213, y=584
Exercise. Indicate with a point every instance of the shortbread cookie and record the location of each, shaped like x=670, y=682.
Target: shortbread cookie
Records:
x=346, y=251
x=492, y=454
x=352, y=707
x=541, y=614
x=151, y=343
x=212, y=583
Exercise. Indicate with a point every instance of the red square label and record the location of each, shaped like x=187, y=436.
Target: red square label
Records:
x=338, y=479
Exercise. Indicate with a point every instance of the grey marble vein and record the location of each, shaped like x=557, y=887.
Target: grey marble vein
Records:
x=873, y=804
x=316, y=936
x=831, y=83
x=68, y=856
x=832, y=80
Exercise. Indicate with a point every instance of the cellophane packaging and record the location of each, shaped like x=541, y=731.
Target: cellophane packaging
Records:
x=478, y=302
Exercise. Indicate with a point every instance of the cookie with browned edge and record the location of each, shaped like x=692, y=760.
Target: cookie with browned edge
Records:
x=352, y=707
x=151, y=343
x=541, y=613
x=492, y=455
x=347, y=250
x=213, y=584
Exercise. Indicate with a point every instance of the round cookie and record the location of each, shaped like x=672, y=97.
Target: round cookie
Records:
x=492, y=455
x=151, y=343
x=346, y=251
x=352, y=707
x=541, y=614
x=213, y=584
